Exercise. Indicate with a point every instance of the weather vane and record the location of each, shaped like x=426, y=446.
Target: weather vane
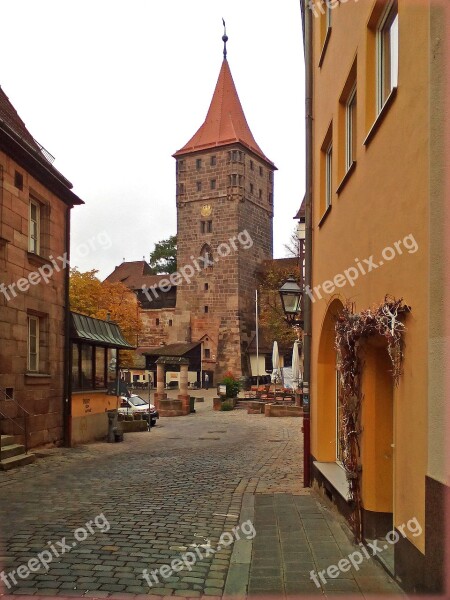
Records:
x=224, y=39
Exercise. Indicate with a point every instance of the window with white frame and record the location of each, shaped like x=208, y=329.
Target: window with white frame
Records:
x=350, y=129
x=34, y=231
x=328, y=175
x=33, y=344
x=387, y=54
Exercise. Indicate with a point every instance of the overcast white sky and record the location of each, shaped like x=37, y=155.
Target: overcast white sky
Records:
x=112, y=88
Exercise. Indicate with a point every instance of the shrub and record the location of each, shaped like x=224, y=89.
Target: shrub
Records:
x=226, y=405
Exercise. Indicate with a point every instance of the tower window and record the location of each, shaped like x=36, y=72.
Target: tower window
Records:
x=207, y=353
x=198, y=163
x=241, y=179
x=270, y=176
x=180, y=165
x=252, y=187
x=199, y=186
x=170, y=322
x=206, y=309
x=260, y=194
x=157, y=322
x=213, y=161
x=206, y=287
x=206, y=257
x=206, y=226
x=270, y=198
x=235, y=156
x=180, y=188
x=261, y=171
x=252, y=166
x=233, y=180
x=213, y=184
x=18, y=180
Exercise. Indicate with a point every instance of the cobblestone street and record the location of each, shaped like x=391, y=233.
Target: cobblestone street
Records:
x=169, y=492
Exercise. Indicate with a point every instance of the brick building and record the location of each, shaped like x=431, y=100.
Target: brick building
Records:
x=35, y=203
x=224, y=199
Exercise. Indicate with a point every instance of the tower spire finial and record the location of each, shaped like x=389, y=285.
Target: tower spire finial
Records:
x=224, y=39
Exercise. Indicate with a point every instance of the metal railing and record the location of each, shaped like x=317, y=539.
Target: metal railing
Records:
x=25, y=415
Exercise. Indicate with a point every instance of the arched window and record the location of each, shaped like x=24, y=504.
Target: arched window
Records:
x=206, y=257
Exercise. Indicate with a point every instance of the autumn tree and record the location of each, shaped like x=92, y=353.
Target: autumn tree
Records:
x=94, y=298
x=293, y=245
x=271, y=317
x=163, y=259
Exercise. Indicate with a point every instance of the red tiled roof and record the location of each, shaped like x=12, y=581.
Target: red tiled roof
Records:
x=225, y=122
x=301, y=215
x=134, y=275
x=8, y=115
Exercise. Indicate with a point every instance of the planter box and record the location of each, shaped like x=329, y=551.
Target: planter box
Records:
x=255, y=408
x=276, y=410
x=137, y=425
x=217, y=402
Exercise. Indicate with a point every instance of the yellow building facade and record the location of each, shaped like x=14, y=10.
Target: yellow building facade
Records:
x=377, y=70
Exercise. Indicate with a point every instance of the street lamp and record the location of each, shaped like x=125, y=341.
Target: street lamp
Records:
x=291, y=295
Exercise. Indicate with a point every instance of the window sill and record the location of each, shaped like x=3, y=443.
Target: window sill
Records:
x=36, y=259
x=346, y=177
x=381, y=116
x=325, y=215
x=335, y=474
x=102, y=391
x=324, y=47
x=37, y=378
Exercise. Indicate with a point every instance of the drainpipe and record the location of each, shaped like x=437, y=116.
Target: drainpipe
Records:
x=67, y=398
x=307, y=22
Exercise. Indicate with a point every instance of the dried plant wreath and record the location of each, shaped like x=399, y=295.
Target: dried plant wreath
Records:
x=351, y=330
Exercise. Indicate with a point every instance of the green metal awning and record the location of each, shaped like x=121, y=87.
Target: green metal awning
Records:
x=97, y=332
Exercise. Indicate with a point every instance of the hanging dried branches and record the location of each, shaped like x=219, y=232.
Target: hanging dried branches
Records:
x=351, y=330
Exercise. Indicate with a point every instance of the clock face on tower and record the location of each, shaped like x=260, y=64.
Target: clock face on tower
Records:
x=206, y=210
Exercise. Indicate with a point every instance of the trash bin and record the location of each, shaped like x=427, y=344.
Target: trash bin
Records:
x=192, y=404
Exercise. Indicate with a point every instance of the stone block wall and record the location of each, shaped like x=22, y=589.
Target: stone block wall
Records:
x=41, y=392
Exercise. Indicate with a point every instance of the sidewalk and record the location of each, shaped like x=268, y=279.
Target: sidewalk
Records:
x=297, y=535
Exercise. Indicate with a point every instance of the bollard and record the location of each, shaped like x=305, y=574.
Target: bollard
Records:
x=112, y=426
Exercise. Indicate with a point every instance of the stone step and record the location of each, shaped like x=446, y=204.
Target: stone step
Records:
x=11, y=450
x=241, y=404
x=16, y=461
x=7, y=440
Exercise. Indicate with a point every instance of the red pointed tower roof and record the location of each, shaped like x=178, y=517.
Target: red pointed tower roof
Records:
x=225, y=122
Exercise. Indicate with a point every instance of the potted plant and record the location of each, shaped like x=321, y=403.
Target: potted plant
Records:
x=233, y=386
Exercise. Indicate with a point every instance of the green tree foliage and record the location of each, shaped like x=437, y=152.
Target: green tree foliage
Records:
x=163, y=259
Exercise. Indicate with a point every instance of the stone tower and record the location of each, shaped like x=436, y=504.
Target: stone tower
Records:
x=224, y=223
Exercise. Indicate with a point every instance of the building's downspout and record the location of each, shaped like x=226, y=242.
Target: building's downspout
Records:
x=67, y=395
x=307, y=19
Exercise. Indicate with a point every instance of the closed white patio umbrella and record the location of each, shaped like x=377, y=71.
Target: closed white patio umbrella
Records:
x=276, y=372
x=297, y=365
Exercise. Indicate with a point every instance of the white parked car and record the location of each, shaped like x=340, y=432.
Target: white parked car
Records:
x=137, y=405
